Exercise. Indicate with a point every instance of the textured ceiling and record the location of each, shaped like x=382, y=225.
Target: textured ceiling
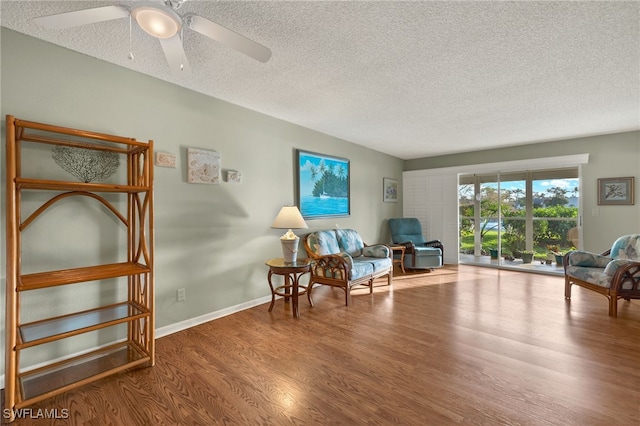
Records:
x=411, y=79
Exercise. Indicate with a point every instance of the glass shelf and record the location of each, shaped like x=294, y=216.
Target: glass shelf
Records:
x=59, y=377
x=70, y=325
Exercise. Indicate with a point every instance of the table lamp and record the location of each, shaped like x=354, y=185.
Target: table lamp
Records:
x=289, y=218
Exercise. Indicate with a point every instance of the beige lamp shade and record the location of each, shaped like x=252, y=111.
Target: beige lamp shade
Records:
x=289, y=218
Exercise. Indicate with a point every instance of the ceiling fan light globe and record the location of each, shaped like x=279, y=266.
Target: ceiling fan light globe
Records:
x=157, y=21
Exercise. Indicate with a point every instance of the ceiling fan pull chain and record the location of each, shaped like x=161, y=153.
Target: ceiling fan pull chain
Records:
x=130, y=56
x=182, y=43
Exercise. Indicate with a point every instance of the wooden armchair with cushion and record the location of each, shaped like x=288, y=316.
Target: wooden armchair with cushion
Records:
x=341, y=259
x=419, y=253
x=614, y=273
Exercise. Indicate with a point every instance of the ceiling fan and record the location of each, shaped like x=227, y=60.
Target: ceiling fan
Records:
x=161, y=20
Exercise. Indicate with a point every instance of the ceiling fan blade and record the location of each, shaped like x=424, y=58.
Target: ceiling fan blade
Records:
x=228, y=38
x=174, y=53
x=82, y=17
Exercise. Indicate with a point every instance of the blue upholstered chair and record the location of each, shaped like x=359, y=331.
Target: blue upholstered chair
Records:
x=614, y=273
x=419, y=253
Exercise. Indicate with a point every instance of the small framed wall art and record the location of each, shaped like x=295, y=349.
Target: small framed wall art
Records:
x=234, y=176
x=615, y=191
x=389, y=190
x=166, y=159
x=203, y=166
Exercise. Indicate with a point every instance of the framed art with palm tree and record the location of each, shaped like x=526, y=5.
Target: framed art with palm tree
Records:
x=322, y=185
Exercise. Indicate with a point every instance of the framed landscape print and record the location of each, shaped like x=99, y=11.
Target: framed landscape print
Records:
x=389, y=190
x=615, y=191
x=322, y=185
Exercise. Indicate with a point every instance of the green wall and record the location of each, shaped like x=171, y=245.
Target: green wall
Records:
x=211, y=240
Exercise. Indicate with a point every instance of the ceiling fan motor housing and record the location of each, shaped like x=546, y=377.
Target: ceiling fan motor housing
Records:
x=174, y=4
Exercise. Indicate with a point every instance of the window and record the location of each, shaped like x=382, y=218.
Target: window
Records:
x=502, y=215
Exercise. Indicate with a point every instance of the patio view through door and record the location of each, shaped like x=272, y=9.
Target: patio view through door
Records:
x=519, y=219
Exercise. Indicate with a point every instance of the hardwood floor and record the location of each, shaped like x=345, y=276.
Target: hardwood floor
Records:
x=462, y=345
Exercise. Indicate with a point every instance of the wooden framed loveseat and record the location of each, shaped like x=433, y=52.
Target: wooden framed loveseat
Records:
x=341, y=259
x=614, y=273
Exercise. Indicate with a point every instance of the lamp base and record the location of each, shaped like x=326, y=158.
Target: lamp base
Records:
x=290, y=250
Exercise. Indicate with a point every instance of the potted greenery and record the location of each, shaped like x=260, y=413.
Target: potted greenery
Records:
x=514, y=242
x=527, y=256
x=554, y=253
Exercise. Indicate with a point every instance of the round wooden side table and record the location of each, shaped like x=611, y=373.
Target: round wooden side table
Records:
x=291, y=271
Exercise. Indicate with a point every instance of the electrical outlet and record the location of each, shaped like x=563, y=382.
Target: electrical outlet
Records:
x=181, y=294
x=595, y=212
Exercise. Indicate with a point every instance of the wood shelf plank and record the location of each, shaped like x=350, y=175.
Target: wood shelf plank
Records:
x=59, y=377
x=49, y=128
x=44, y=331
x=77, y=275
x=61, y=185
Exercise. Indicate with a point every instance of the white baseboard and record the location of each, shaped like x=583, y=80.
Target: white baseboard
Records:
x=170, y=329
x=192, y=322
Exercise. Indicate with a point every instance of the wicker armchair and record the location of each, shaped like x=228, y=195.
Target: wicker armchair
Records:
x=341, y=259
x=614, y=273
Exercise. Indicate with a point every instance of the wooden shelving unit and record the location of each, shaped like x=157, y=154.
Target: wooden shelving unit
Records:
x=24, y=387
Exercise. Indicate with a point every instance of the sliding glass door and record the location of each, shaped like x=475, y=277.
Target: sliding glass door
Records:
x=506, y=216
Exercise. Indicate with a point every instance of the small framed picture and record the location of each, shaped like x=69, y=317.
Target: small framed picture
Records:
x=615, y=191
x=166, y=159
x=234, y=176
x=389, y=190
x=203, y=166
